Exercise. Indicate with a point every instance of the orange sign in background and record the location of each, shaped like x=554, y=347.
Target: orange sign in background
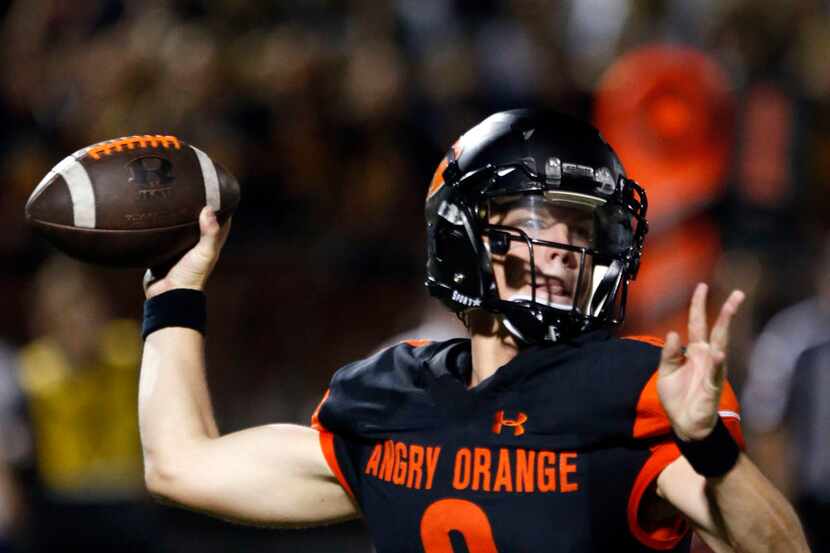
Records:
x=668, y=111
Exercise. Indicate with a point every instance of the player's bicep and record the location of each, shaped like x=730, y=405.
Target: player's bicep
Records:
x=273, y=475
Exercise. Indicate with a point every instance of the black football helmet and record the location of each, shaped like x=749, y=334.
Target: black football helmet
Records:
x=533, y=158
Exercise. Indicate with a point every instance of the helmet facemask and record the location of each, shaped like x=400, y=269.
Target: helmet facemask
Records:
x=552, y=277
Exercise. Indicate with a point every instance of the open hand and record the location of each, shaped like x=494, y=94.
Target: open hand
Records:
x=194, y=268
x=689, y=383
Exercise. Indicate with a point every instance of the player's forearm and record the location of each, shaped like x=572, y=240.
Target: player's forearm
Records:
x=755, y=516
x=174, y=406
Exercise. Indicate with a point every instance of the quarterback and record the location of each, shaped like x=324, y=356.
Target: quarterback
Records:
x=540, y=432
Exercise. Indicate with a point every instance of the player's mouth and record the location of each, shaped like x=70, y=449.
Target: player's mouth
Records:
x=553, y=288
x=552, y=291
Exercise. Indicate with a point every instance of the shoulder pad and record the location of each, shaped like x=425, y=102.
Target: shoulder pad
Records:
x=382, y=392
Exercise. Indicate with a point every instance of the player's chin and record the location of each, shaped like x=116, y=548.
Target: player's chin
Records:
x=557, y=300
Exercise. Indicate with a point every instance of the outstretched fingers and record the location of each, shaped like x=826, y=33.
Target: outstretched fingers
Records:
x=697, y=314
x=719, y=340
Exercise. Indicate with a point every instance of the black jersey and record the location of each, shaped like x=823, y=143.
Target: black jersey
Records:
x=551, y=453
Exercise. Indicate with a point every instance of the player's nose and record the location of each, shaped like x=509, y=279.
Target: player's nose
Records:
x=559, y=233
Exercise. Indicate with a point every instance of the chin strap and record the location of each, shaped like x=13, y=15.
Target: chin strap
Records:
x=529, y=327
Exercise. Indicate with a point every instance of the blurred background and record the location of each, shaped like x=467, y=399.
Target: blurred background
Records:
x=334, y=115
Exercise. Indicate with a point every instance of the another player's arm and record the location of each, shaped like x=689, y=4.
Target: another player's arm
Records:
x=740, y=510
x=271, y=475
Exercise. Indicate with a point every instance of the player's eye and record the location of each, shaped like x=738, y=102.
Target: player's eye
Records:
x=582, y=233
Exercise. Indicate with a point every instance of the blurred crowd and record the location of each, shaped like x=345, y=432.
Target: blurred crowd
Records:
x=333, y=115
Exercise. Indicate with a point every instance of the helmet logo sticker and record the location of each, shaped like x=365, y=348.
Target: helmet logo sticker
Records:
x=605, y=181
x=465, y=300
x=438, y=177
x=553, y=334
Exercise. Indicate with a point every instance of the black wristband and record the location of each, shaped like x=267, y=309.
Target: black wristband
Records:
x=714, y=455
x=180, y=307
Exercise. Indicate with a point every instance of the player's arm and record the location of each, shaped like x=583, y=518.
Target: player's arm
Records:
x=271, y=475
x=739, y=510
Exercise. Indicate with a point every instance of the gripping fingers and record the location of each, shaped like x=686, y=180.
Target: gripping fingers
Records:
x=213, y=235
x=193, y=269
x=149, y=279
x=209, y=228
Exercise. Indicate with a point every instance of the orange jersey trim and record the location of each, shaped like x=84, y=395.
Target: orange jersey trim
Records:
x=663, y=537
x=327, y=446
x=734, y=426
x=651, y=420
x=653, y=340
x=315, y=417
x=417, y=343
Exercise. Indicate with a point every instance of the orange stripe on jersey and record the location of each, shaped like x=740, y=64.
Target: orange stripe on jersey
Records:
x=651, y=419
x=653, y=340
x=327, y=446
x=418, y=343
x=662, y=537
x=315, y=417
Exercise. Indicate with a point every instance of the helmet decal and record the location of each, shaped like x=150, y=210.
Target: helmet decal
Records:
x=438, y=177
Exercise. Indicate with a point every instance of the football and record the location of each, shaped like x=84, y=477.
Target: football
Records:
x=130, y=202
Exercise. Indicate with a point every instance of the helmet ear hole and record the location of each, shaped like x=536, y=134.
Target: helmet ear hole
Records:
x=454, y=259
x=450, y=245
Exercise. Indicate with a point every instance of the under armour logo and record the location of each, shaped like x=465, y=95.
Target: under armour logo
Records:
x=516, y=424
x=150, y=171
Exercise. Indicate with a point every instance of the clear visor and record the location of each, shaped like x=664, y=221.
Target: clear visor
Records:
x=542, y=251
x=544, y=218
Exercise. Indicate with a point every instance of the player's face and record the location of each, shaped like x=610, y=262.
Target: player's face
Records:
x=557, y=269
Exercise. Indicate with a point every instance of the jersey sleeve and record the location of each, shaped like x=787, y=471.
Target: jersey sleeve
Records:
x=364, y=399
x=652, y=426
x=652, y=421
x=329, y=448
